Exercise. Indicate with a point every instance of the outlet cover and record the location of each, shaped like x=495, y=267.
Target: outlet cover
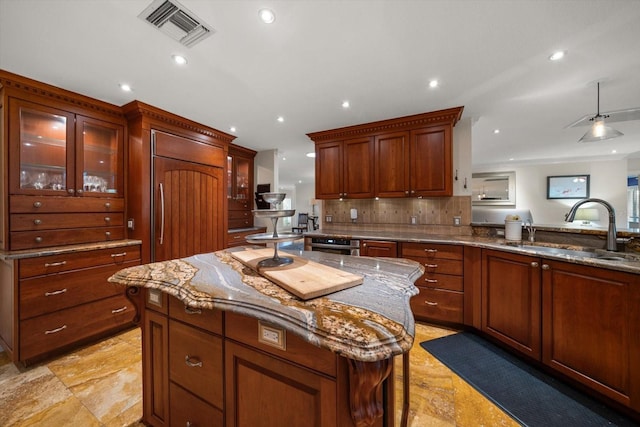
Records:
x=328, y=218
x=414, y=220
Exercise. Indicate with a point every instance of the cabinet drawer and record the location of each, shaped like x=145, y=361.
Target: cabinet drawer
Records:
x=195, y=361
x=240, y=214
x=35, y=204
x=43, y=334
x=441, y=266
x=28, y=222
x=246, y=330
x=211, y=320
x=240, y=204
x=431, y=250
x=54, y=264
x=46, y=238
x=438, y=304
x=46, y=294
x=241, y=223
x=188, y=410
x=441, y=281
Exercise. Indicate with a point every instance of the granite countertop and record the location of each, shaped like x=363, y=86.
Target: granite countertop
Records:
x=369, y=322
x=57, y=250
x=628, y=262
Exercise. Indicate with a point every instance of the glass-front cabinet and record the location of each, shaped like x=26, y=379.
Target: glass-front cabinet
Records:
x=60, y=153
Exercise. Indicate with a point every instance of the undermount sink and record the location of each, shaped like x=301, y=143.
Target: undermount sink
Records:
x=599, y=254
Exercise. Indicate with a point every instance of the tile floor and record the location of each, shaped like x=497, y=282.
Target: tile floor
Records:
x=101, y=385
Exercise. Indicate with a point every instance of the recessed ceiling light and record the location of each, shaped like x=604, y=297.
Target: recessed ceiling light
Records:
x=179, y=59
x=280, y=119
x=496, y=131
x=267, y=16
x=433, y=83
x=511, y=159
x=311, y=154
x=125, y=87
x=614, y=151
x=299, y=181
x=284, y=158
x=555, y=56
x=345, y=104
x=232, y=128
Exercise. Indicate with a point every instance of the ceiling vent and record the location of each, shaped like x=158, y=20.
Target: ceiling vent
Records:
x=176, y=21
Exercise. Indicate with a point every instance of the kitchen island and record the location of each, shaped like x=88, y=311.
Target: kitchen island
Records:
x=222, y=345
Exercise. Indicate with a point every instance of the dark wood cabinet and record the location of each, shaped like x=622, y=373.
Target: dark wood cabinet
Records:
x=403, y=157
x=64, y=155
x=441, y=287
x=239, y=184
x=344, y=169
x=511, y=300
x=378, y=248
x=590, y=328
x=191, y=160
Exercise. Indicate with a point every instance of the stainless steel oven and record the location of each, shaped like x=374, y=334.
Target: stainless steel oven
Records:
x=336, y=245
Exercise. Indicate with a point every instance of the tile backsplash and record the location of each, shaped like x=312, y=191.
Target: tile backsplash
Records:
x=401, y=213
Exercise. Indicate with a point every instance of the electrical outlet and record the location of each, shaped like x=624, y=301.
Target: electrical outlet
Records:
x=499, y=232
x=328, y=218
x=414, y=220
x=456, y=221
x=130, y=224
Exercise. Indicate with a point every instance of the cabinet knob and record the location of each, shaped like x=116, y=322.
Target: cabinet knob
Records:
x=38, y=239
x=37, y=204
x=364, y=245
x=37, y=221
x=71, y=190
x=534, y=264
x=545, y=266
x=413, y=191
x=107, y=219
x=406, y=192
x=79, y=191
x=107, y=234
x=107, y=205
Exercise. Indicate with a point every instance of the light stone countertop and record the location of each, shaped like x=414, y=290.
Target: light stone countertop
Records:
x=630, y=262
x=368, y=322
x=57, y=250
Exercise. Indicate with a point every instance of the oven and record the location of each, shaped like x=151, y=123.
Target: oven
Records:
x=336, y=245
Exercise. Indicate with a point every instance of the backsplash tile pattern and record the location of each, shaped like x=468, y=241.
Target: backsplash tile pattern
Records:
x=432, y=214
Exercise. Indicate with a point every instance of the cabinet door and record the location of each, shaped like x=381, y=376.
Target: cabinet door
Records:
x=589, y=316
x=377, y=248
x=189, y=209
x=511, y=295
x=329, y=170
x=392, y=165
x=155, y=365
x=358, y=168
x=431, y=162
x=99, y=158
x=262, y=390
x=42, y=148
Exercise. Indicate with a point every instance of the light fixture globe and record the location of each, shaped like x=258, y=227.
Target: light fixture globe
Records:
x=599, y=130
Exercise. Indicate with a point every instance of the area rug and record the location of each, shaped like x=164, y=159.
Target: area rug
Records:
x=528, y=395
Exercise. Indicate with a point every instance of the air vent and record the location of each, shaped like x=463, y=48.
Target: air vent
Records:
x=176, y=21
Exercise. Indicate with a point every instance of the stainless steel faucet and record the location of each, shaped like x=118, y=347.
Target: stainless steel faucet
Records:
x=611, y=232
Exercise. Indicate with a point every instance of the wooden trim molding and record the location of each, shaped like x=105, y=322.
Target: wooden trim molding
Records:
x=365, y=390
x=448, y=116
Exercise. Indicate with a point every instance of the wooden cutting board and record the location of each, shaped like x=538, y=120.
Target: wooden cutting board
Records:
x=303, y=278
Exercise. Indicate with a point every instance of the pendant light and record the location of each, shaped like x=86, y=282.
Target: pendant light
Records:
x=599, y=131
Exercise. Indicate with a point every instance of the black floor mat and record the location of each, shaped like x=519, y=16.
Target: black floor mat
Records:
x=530, y=396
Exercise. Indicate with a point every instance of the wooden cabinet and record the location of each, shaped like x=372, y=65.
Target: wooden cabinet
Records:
x=591, y=328
x=65, y=156
x=63, y=300
x=240, y=186
x=344, y=169
x=378, y=248
x=238, y=237
x=441, y=287
x=176, y=167
x=511, y=300
x=403, y=157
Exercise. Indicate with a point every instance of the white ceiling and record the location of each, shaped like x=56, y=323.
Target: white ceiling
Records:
x=491, y=56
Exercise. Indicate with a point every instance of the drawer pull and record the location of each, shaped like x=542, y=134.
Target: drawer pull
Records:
x=431, y=251
x=37, y=221
x=56, y=330
x=431, y=265
x=192, y=362
x=431, y=280
x=118, y=310
x=54, y=264
x=118, y=255
x=107, y=219
x=70, y=191
x=430, y=302
x=107, y=234
x=61, y=291
x=237, y=237
x=107, y=205
x=37, y=204
x=79, y=191
x=38, y=239
x=534, y=264
x=190, y=310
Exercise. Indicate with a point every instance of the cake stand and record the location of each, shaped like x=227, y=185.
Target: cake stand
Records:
x=261, y=238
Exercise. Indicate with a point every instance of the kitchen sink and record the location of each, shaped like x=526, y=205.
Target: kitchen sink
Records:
x=599, y=254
